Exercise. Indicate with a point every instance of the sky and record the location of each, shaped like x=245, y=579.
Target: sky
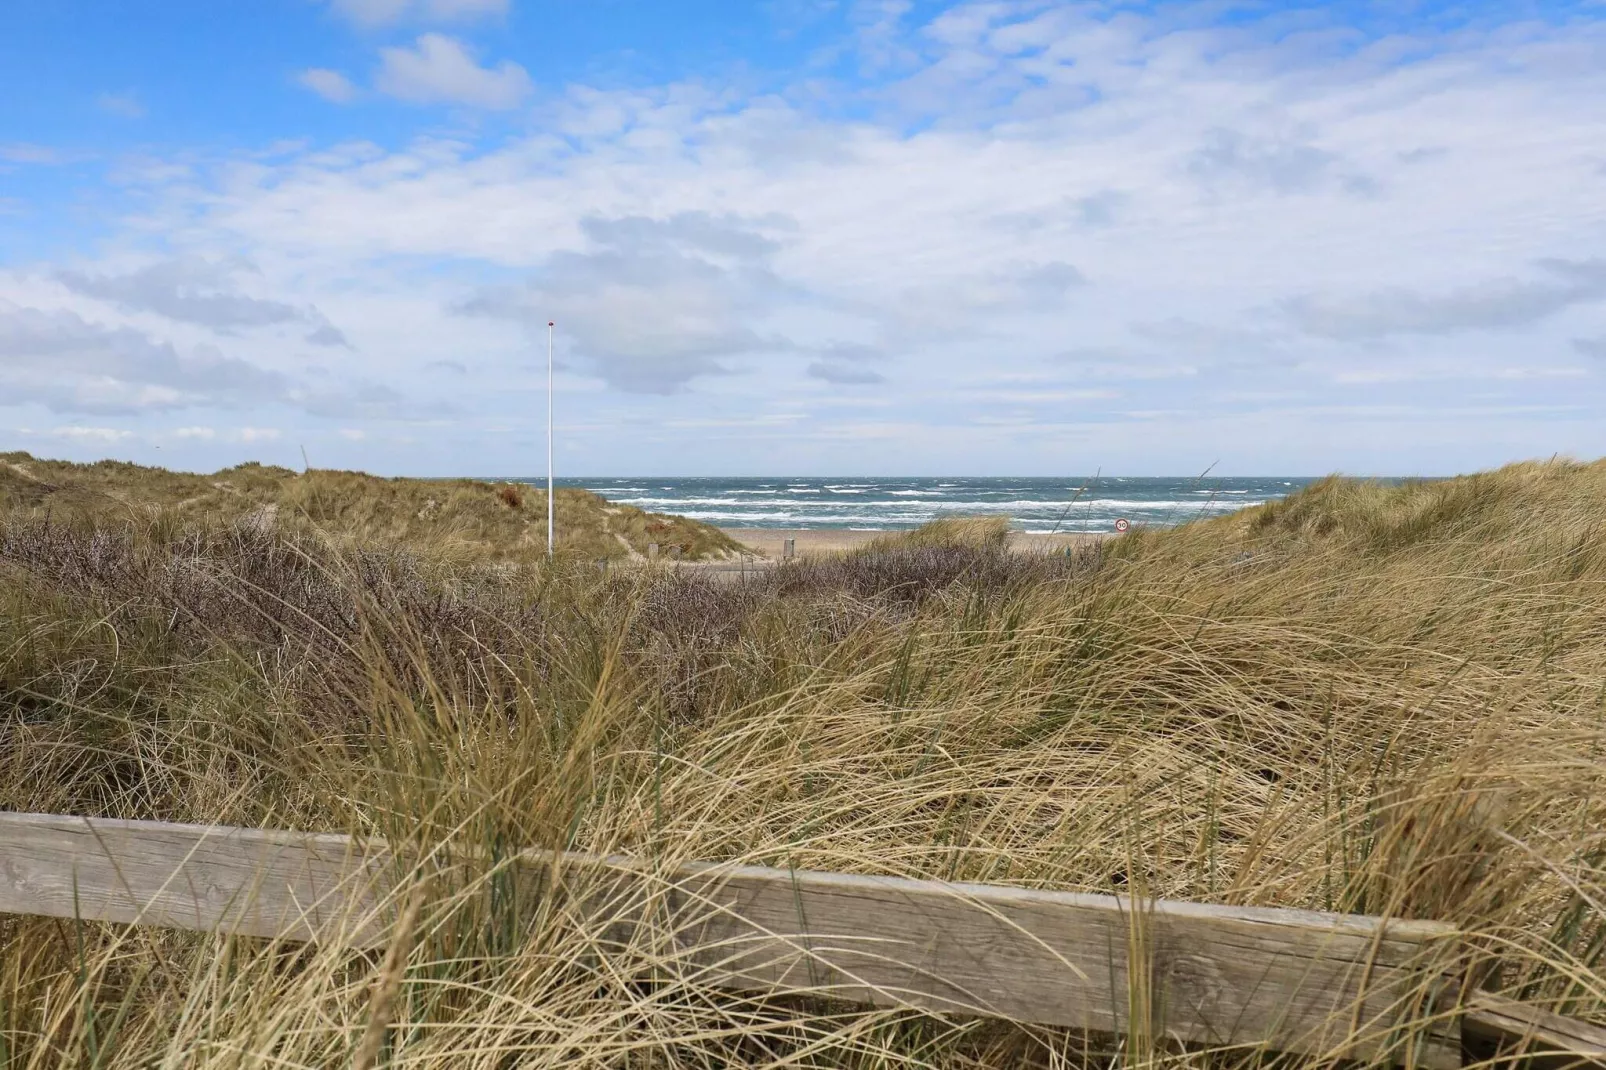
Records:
x=804, y=236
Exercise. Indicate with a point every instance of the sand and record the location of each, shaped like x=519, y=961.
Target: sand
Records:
x=812, y=541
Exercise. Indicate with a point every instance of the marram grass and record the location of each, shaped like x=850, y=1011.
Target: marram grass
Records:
x=1382, y=699
x=470, y=520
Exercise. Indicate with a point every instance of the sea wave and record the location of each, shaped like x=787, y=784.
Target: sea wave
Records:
x=1018, y=506
x=674, y=503
x=1168, y=503
x=1075, y=505
x=1034, y=504
x=812, y=518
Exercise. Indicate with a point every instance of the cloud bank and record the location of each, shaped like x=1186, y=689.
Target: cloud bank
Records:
x=989, y=237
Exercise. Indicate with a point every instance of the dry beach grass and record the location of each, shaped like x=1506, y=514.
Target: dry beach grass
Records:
x=469, y=519
x=1381, y=699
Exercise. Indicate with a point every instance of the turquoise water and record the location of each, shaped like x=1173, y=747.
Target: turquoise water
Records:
x=1070, y=503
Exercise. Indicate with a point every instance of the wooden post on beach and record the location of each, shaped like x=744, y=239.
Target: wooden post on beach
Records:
x=652, y=551
x=674, y=553
x=788, y=549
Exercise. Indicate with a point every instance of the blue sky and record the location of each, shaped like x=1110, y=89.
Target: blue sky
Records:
x=867, y=236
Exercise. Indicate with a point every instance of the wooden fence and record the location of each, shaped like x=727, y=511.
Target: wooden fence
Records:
x=1327, y=985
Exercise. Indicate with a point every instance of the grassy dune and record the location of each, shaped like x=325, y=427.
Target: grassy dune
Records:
x=1365, y=698
x=468, y=519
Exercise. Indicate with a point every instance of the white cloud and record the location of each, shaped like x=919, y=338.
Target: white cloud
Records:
x=202, y=433
x=190, y=289
x=879, y=38
x=330, y=85
x=952, y=302
x=1444, y=371
x=1284, y=163
x=257, y=434
x=653, y=303
x=77, y=433
x=843, y=374
x=1497, y=303
x=441, y=70
x=1041, y=397
x=848, y=364
x=66, y=363
x=371, y=13
x=327, y=334
x=768, y=419
x=23, y=152
x=127, y=105
x=62, y=360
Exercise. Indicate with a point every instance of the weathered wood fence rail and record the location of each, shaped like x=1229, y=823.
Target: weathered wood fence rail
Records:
x=1328, y=985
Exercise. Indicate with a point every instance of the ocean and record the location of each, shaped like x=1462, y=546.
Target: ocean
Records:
x=1070, y=503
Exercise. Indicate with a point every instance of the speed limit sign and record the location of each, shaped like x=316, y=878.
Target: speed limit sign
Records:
x=1121, y=523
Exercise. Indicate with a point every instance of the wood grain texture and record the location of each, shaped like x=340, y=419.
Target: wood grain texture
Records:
x=1290, y=980
x=251, y=882
x=1287, y=980
x=1551, y=1039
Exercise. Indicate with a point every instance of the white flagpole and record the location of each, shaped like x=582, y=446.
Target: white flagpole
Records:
x=551, y=504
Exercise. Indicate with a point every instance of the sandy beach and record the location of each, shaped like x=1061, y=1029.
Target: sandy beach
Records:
x=812, y=541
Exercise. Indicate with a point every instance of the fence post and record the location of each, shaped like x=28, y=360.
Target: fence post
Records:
x=652, y=551
x=788, y=549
